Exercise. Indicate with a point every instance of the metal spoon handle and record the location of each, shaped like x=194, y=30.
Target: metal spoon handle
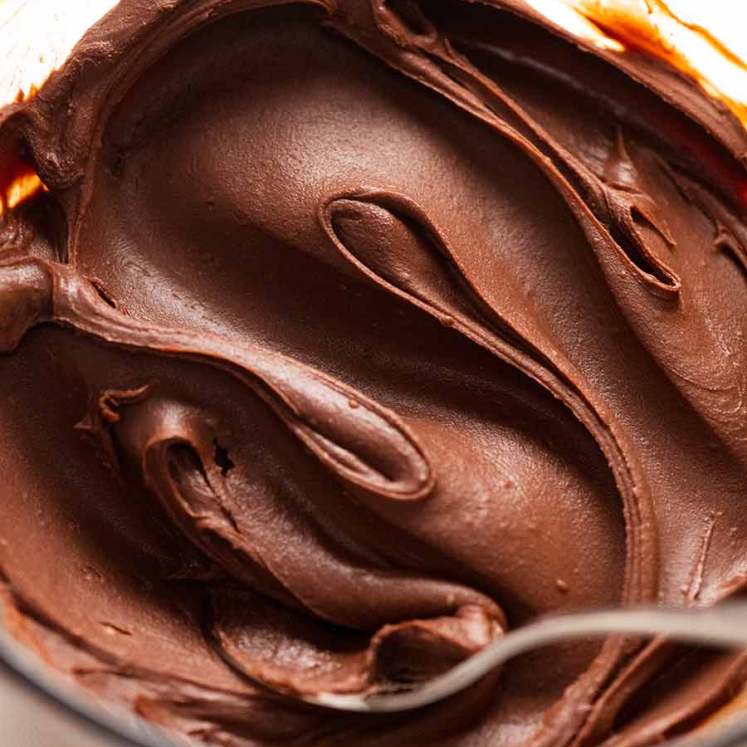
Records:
x=722, y=626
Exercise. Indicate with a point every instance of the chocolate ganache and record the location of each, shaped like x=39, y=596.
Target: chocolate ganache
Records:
x=348, y=335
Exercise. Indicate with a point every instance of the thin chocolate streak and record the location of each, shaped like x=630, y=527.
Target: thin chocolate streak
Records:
x=351, y=335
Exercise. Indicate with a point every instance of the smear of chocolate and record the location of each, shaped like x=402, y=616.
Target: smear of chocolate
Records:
x=349, y=336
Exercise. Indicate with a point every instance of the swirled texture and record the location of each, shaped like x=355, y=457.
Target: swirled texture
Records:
x=348, y=336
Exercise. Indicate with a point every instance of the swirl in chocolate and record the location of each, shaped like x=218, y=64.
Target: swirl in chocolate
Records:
x=348, y=336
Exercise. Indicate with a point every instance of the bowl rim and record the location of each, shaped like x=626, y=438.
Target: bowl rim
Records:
x=25, y=669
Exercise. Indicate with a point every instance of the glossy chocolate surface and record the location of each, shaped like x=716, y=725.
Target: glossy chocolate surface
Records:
x=350, y=335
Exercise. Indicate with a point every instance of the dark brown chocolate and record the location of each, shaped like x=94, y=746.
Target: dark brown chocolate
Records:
x=349, y=335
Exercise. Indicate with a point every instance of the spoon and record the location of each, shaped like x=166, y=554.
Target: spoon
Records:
x=722, y=626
